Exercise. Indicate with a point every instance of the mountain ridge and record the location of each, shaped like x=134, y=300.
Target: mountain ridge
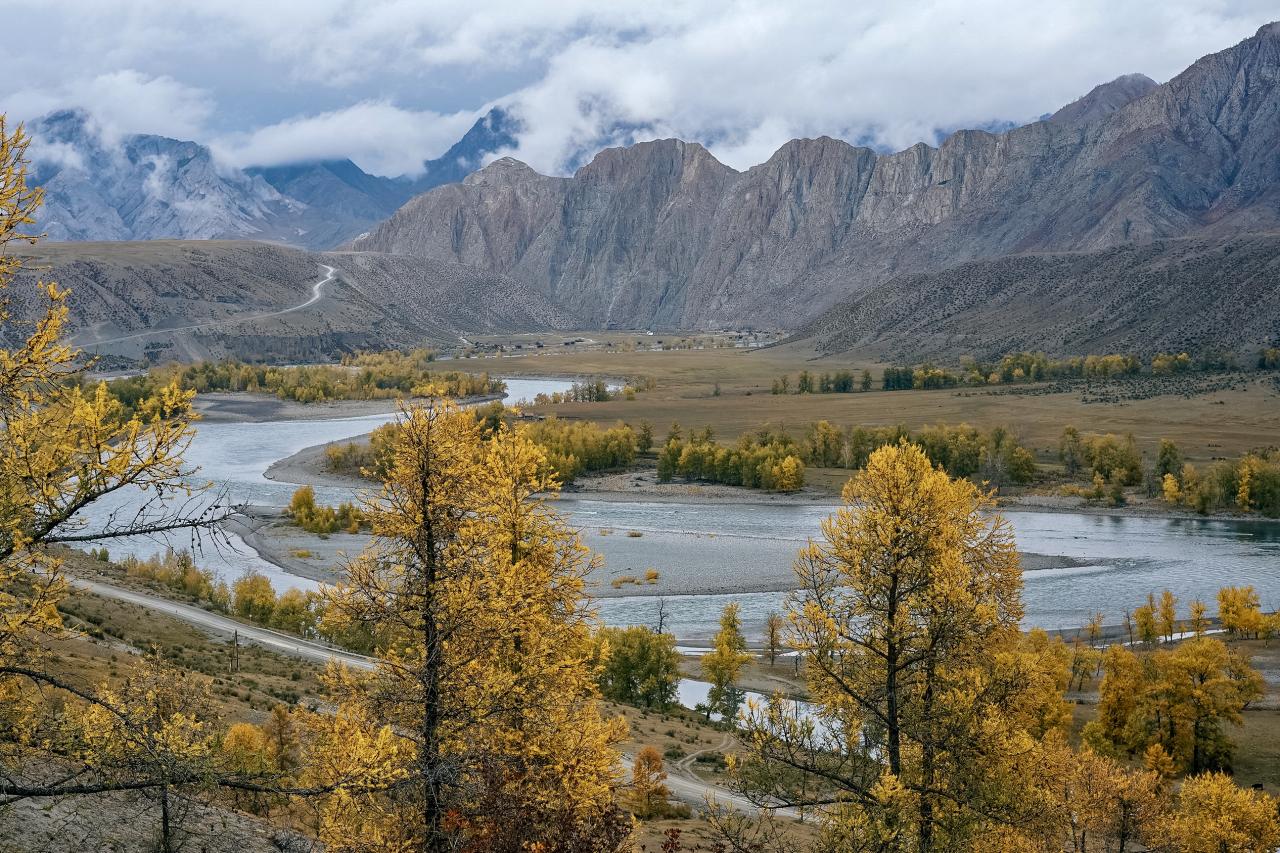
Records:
x=662, y=234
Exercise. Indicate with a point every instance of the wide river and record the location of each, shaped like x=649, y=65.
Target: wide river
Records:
x=1121, y=558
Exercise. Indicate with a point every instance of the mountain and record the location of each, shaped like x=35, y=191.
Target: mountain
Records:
x=146, y=187
x=1105, y=99
x=1184, y=295
x=163, y=300
x=495, y=131
x=662, y=234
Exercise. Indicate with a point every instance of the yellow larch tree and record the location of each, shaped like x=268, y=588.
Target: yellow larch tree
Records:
x=928, y=701
x=1214, y=815
x=722, y=665
x=61, y=450
x=482, y=717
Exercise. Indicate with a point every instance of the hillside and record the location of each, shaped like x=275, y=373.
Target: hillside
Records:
x=124, y=295
x=1192, y=295
x=663, y=234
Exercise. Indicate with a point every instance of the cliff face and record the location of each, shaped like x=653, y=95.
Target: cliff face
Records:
x=662, y=234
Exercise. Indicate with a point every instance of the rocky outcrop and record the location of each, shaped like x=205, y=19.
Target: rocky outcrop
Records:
x=662, y=234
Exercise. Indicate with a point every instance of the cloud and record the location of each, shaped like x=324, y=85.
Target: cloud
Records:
x=123, y=102
x=746, y=77
x=389, y=82
x=380, y=137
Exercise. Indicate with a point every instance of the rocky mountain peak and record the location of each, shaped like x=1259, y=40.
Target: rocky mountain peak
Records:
x=503, y=171
x=686, y=161
x=1105, y=99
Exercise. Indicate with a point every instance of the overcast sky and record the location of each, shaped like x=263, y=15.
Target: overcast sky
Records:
x=392, y=82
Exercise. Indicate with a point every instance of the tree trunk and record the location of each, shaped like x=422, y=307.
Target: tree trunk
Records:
x=166, y=842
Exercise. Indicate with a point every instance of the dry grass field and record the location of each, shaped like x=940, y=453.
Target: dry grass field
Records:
x=1204, y=424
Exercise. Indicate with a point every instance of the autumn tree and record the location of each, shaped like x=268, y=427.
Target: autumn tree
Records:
x=638, y=666
x=927, y=697
x=63, y=449
x=1167, y=615
x=253, y=596
x=482, y=717
x=1214, y=815
x=722, y=665
x=1179, y=698
x=774, y=626
x=649, y=793
x=1092, y=802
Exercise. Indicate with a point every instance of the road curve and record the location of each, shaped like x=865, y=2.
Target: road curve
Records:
x=686, y=788
x=317, y=292
x=274, y=640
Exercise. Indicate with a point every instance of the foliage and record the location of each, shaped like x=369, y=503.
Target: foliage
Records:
x=648, y=793
x=482, y=713
x=768, y=461
x=596, y=391
x=722, y=665
x=367, y=376
x=1215, y=816
x=637, y=666
x=1250, y=483
x=1178, y=699
x=573, y=448
x=324, y=519
x=908, y=616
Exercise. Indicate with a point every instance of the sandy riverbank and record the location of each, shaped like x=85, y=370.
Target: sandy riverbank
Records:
x=276, y=540
x=244, y=407
x=280, y=543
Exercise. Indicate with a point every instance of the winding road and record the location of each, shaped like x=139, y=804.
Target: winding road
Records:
x=683, y=784
x=317, y=293
x=274, y=640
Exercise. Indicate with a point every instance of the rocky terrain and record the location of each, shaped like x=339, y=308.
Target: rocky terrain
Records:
x=120, y=290
x=663, y=234
x=1190, y=294
x=147, y=187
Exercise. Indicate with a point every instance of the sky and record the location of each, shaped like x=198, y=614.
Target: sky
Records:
x=390, y=83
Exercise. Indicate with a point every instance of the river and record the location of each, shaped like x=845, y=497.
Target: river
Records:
x=1121, y=558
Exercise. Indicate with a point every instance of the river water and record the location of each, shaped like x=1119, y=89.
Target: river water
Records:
x=1121, y=558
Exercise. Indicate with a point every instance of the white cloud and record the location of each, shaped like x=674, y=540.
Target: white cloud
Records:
x=123, y=102
x=383, y=81
x=380, y=137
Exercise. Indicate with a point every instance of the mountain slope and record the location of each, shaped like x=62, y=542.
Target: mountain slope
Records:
x=124, y=295
x=662, y=234
x=1192, y=294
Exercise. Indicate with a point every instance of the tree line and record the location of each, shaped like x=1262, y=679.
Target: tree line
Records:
x=1011, y=369
x=1248, y=483
x=571, y=448
x=367, y=376
x=767, y=460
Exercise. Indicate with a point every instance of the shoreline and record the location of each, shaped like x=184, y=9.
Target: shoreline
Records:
x=220, y=407
x=641, y=486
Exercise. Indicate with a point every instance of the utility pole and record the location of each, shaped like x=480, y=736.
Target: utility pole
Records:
x=235, y=651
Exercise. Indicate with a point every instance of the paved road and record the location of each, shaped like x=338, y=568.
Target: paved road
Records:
x=684, y=787
x=274, y=640
x=317, y=293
